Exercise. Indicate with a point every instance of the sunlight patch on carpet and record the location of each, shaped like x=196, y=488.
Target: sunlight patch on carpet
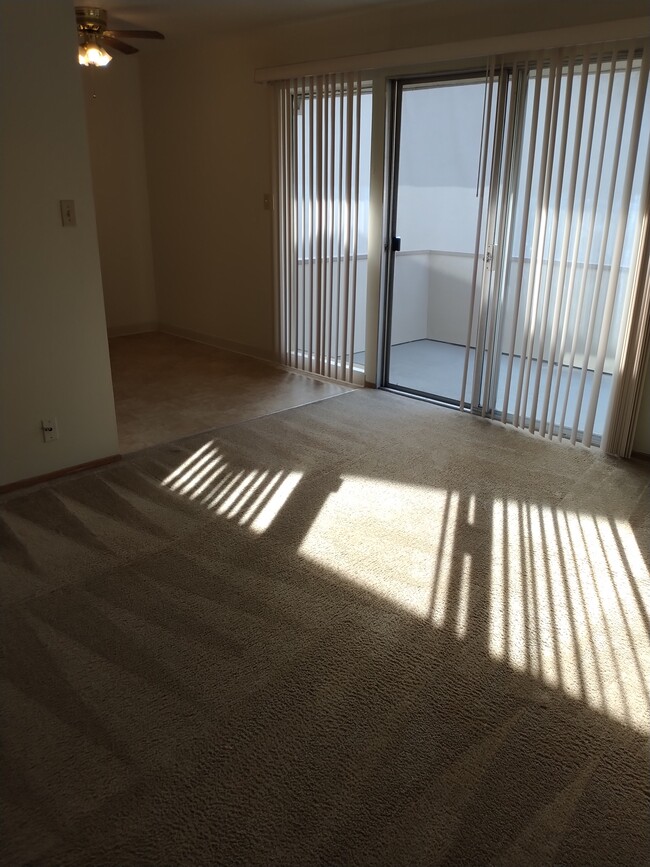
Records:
x=558, y=594
x=390, y=539
x=252, y=496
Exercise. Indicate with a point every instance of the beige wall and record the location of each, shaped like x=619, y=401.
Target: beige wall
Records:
x=53, y=348
x=117, y=158
x=207, y=138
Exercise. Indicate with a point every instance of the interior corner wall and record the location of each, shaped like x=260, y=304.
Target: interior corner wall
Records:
x=53, y=349
x=117, y=160
x=207, y=143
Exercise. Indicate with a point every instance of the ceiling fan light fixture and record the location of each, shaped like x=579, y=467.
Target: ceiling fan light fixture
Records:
x=91, y=53
x=94, y=35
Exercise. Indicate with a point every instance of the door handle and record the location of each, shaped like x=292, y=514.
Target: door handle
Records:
x=396, y=244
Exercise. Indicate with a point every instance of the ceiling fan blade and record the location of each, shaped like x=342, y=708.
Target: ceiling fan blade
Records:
x=135, y=34
x=118, y=45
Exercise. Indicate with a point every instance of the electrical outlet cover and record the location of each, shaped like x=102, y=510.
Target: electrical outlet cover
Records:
x=50, y=429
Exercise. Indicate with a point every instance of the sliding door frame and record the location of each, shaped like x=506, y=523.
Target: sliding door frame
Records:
x=493, y=246
x=508, y=192
x=395, y=87
x=393, y=151
x=491, y=287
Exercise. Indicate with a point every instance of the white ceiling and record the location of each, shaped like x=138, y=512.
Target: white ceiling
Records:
x=181, y=19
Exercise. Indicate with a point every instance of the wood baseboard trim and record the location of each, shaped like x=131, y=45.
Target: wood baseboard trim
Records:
x=66, y=471
x=641, y=456
x=127, y=330
x=219, y=343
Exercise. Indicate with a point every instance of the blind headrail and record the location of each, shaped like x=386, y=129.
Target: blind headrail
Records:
x=635, y=29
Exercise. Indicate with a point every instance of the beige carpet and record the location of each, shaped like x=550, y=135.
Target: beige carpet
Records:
x=364, y=631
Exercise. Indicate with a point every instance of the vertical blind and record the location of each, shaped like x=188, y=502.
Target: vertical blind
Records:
x=318, y=222
x=565, y=199
x=558, y=331
x=634, y=350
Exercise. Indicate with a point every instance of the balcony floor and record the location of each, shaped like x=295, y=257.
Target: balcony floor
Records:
x=436, y=368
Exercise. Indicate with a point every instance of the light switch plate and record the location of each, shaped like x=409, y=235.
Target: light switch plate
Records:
x=68, y=216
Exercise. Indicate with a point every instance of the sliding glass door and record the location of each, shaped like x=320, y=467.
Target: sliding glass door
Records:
x=524, y=192
x=437, y=164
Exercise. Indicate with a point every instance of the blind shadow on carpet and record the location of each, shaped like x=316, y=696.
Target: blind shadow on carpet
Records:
x=365, y=631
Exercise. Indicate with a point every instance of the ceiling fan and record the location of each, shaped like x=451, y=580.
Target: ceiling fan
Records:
x=95, y=38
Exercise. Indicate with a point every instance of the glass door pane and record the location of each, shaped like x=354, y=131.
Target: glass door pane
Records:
x=438, y=135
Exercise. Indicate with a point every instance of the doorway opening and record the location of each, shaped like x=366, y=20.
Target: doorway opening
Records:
x=438, y=127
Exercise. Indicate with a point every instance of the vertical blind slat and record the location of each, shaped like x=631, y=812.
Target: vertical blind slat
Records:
x=561, y=274
x=506, y=122
x=579, y=217
x=286, y=241
x=509, y=206
x=280, y=229
x=329, y=235
x=355, y=232
x=339, y=282
x=347, y=222
x=519, y=284
x=324, y=222
x=529, y=292
x=293, y=222
x=317, y=205
x=550, y=256
x=310, y=158
x=485, y=144
x=539, y=239
x=289, y=222
x=303, y=200
x=486, y=274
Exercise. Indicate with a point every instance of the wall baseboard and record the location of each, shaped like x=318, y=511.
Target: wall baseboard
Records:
x=66, y=471
x=140, y=328
x=641, y=456
x=219, y=342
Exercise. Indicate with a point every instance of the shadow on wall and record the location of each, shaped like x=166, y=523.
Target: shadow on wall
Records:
x=331, y=654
